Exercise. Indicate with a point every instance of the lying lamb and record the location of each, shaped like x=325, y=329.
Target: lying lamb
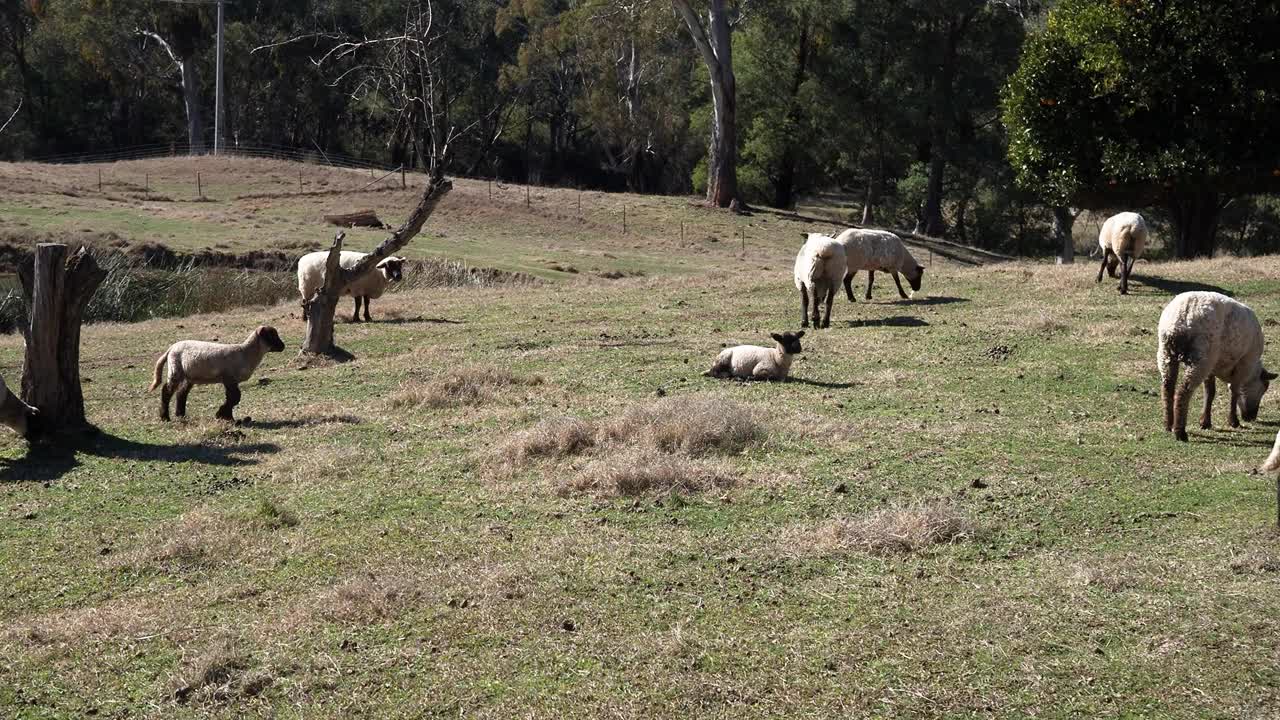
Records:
x=818, y=269
x=752, y=362
x=1215, y=337
x=873, y=250
x=1123, y=238
x=367, y=287
x=16, y=414
x=195, y=362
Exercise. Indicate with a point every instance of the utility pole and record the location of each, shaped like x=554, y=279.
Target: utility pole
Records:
x=217, y=101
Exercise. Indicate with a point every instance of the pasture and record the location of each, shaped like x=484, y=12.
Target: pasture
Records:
x=527, y=501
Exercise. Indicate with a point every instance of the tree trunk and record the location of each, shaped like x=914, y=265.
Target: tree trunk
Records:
x=931, y=220
x=715, y=44
x=784, y=189
x=191, y=95
x=1063, y=221
x=321, y=306
x=57, y=289
x=1195, y=216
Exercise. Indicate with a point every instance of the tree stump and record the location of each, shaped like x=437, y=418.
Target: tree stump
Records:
x=359, y=218
x=57, y=288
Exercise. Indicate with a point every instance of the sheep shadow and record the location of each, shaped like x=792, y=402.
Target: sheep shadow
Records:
x=895, y=321
x=821, y=384
x=298, y=423
x=417, y=319
x=926, y=301
x=1239, y=441
x=1168, y=286
x=50, y=460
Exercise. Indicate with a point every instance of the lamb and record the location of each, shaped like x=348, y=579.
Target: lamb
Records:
x=1122, y=239
x=16, y=414
x=1215, y=337
x=818, y=268
x=368, y=287
x=873, y=250
x=1272, y=463
x=195, y=362
x=752, y=362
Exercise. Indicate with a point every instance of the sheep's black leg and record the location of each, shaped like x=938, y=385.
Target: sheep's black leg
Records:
x=1103, y=268
x=180, y=398
x=233, y=399
x=871, y=277
x=848, y=286
x=355, y=315
x=831, y=296
x=804, y=306
x=896, y=281
x=165, y=393
x=367, y=318
x=1210, y=389
x=1233, y=419
x=305, y=312
x=1126, y=264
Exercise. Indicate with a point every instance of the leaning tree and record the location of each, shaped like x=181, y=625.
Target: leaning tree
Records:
x=714, y=41
x=1150, y=102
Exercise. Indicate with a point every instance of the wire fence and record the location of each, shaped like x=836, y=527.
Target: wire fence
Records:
x=313, y=156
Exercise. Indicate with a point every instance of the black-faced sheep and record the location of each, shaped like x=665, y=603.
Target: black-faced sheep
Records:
x=819, y=266
x=1123, y=238
x=1214, y=337
x=196, y=362
x=873, y=250
x=752, y=362
x=368, y=287
x=16, y=414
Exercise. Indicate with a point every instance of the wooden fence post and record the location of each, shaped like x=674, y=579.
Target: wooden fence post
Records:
x=57, y=289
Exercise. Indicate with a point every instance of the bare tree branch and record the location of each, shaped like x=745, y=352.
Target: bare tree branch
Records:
x=11, y=117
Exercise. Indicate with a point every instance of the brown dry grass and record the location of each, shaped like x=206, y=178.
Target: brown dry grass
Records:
x=550, y=439
x=198, y=539
x=369, y=598
x=891, y=530
x=640, y=471
x=468, y=386
x=693, y=426
x=219, y=673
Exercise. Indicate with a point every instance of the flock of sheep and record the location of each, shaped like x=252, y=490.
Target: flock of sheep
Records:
x=1203, y=336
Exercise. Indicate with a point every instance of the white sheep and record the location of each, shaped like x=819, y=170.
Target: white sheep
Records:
x=196, y=362
x=819, y=266
x=873, y=250
x=1123, y=238
x=368, y=287
x=1215, y=337
x=1272, y=463
x=752, y=362
x=16, y=414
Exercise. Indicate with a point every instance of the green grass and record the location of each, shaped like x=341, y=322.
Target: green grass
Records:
x=347, y=554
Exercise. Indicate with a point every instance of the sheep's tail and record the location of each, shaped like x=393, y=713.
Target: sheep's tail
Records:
x=155, y=380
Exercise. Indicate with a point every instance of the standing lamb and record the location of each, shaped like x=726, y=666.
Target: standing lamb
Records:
x=196, y=362
x=752, y=362
x=16, y=414
x=1122, y=239
x=368, y=287
x=819, y=266
x=1215, y=337
x=873, y=250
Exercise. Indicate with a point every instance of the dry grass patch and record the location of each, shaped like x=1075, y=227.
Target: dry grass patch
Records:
x=693, y=426
x=198, y=539
x=552, y=439
x=217, y=674
x=888, y=531
x=640, y=471
x=474, y=385
x=369, y=598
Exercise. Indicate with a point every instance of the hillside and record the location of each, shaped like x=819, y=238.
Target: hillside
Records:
x=526, y=501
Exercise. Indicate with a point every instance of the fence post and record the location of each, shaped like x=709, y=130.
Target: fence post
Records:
x=490, y=188
x=579, y=202
x=526, y=195
x=99, y=179
x=402, y=183
x=624, y=219
x=199, y=187
x=681, y=233
x=299, y=179
x=744, y=241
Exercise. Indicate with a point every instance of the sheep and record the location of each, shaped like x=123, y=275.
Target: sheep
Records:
x=873, y=250
x=1123, y=238
x=818, y=268
x=196, y=362
x=1272, y=463
x=16, y=414
x=1215, y=337
x=752, y=362
x=368, y=287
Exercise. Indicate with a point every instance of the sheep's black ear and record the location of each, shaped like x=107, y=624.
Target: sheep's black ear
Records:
x=1269, y=376
x=777, y=337
x=799, y=334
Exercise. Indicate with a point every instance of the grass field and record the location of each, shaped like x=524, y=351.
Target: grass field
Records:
x=527, y=501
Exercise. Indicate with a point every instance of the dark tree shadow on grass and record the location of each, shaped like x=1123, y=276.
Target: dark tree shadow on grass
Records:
x=1152, y=285
x=51, y=459
x=407, y=321
x=933, y=300
x=822, y=384
x=895, y=321
x=299, y=423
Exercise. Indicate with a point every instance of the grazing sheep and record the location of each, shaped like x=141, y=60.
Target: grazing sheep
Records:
x=752, y=362
x=873, y=250
x=1122, y=239
x=1272, y=463
x=368, y=287
x=819, y=266
x=195, y=362
x=1215, y=337
x=16, y=414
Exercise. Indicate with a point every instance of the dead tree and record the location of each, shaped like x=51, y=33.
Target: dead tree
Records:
x=57, y=288
x=359, y=218
x=322, y=306
x=715, y=43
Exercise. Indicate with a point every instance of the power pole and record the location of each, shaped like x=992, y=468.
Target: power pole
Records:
x=217, y=98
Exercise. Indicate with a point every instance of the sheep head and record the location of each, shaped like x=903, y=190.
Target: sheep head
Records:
x=1252, y=391
x=788, y=342
x=268, y=336
x=392, y=268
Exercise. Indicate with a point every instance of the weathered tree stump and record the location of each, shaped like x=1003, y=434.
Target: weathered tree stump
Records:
x=359, y=218
x=57, y=288
x=321, y=306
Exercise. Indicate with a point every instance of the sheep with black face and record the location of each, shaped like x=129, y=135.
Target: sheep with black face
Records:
x=188, y=363
x=369, y=286
x=753, y=362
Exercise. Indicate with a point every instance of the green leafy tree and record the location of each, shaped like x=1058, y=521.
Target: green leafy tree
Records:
x=1123, y=104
